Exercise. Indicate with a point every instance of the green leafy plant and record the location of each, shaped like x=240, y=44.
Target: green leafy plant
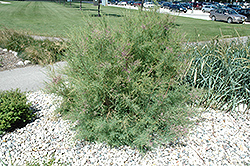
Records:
x=44, y=162
x=123, y=82
x=3, y=163
x=222, y=69
x=1, y=61
x=14, y=110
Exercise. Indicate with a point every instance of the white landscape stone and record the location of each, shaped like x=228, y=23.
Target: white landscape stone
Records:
x=20, y=63
x=206, y=145
x=15, y=53
x=26, y=62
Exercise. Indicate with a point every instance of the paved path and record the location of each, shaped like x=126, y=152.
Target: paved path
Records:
x=31, y=78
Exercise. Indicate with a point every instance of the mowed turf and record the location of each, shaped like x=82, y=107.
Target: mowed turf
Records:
x=45, y=18
x=54, y=19
x=203, y=30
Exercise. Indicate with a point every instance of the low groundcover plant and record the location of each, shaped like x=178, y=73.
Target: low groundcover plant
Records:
x=123, y=84
x=15, y=112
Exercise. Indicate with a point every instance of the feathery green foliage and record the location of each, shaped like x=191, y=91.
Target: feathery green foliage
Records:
x=122, y=83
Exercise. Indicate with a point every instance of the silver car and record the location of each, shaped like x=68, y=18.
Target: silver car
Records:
x=228, y=15
x=208, y=8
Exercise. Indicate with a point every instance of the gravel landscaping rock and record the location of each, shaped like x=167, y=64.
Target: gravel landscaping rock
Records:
x=219, y=139
x=9, y=60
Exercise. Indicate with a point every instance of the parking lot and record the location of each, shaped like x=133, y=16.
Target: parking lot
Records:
x=198, y=14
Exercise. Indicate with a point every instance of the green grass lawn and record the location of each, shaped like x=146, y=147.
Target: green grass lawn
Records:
x=54, y=19
x=200, y=30
x=49, y=18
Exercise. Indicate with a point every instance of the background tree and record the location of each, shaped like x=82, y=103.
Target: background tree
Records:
x=142, y=4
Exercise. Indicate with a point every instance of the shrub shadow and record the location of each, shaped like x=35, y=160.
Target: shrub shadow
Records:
x=109, y=15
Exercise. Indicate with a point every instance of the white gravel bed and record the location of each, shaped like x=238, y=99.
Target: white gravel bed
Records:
x=219, y=139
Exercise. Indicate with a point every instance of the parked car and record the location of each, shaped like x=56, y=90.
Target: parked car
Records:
x=197, y=6
x=225, y=7
x=122, y=3
x=235, y=7
x=177, y=8
x=114, y=2
x=217, y=4
x=245, y=12
x=187, y=5
x=138, y=3
x=166, y=5
x=176, y=2
x=160, y=3
x=148, y=5
x=156, y=3
x=246, y=5
x=208, y=8
x=131, y=3
x=228, y=15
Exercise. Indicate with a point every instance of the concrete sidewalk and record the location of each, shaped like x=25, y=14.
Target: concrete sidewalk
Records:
x=31, y=78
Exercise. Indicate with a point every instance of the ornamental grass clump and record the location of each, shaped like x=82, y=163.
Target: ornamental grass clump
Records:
x=122, y=82
x=37, y=51
x=223, y=70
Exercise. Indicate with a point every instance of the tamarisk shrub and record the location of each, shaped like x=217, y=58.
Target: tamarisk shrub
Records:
x=123, y=81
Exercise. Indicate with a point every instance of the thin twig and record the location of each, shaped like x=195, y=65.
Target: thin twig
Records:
x=226, y=153
x=168, y=86
x=198, y=155
x=213, y=128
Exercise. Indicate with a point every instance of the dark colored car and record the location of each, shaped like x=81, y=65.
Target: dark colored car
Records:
x=114, y=2
x=176, y=2
x=137, y=3
x=177, y=8
x=197, y=6
x=187, y=5
x=131, y=3
x=166, y=5
x=160, y=3
x=235, y=7
x=245, y=12
x=228, y=15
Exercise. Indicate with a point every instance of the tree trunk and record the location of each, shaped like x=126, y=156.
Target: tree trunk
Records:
x=142, y=4
x=99, y=15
